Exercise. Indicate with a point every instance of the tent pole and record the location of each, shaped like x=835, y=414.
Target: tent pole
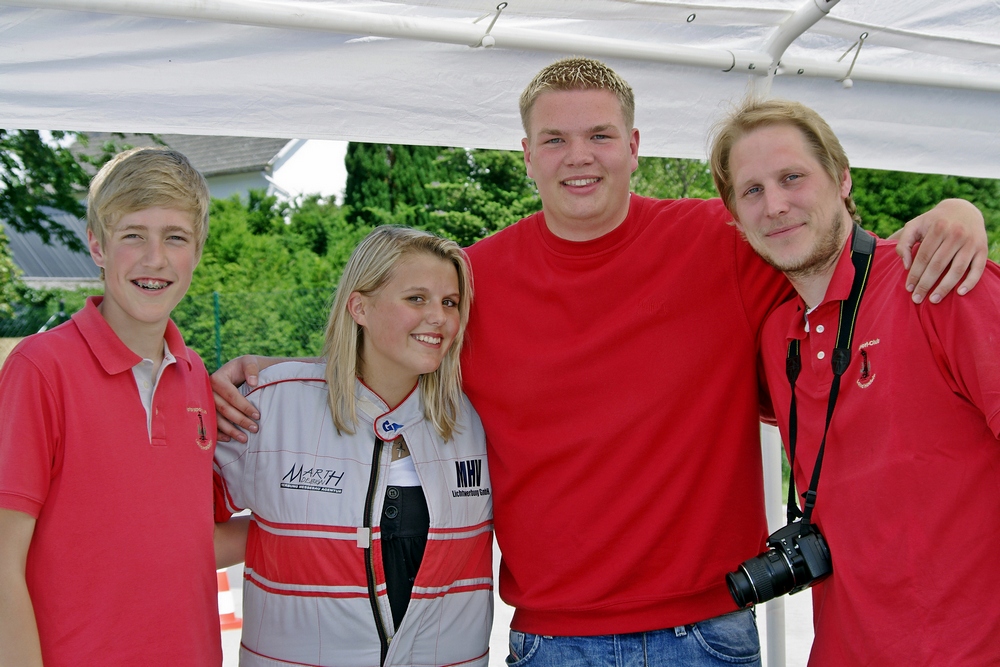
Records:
x=787, y=32
x=770, y=442
x=301, y=16
x=794, y=26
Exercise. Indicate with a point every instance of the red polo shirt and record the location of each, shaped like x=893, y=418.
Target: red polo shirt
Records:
x=121, y=569
x=908, y=497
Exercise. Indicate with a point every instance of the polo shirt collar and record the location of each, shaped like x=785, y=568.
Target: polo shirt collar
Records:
x=113, y=355
x=838, y=290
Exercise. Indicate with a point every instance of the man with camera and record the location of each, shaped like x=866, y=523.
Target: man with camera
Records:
x=896, y=404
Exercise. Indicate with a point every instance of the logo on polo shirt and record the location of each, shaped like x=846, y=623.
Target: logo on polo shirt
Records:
x=203, y=441
x=469, y=479
x=867, y=374
x=301, y=478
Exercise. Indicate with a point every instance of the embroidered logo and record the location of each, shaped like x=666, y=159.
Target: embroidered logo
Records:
x=390, y=427
x=867, y=374
x=469, y=474
x=203, y=441
x=312, y=479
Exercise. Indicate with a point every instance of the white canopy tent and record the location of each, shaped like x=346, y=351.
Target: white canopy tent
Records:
x=907, y=84
x=925, y=93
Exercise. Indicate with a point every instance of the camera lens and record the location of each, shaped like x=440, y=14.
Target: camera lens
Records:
x=760, y=579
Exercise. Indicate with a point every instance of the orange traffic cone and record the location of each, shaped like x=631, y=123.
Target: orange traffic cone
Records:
x=227, y=606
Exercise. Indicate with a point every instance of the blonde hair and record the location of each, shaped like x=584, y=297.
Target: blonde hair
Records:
x=142, y=178
x=369, y=268
x=578, y=74
x=755, y=113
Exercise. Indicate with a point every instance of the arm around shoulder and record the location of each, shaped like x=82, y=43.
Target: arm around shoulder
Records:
x=231, y=541
x=953, y=244
x=233, y=410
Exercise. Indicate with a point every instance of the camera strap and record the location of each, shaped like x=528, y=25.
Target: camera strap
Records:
x=862, y=254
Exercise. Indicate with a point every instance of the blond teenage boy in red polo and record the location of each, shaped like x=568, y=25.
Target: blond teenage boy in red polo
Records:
x=106, y=442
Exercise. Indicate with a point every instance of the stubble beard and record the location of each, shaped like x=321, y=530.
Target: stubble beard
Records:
x=823, y=254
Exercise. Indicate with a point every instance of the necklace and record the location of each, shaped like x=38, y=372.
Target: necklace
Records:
x=399, y=449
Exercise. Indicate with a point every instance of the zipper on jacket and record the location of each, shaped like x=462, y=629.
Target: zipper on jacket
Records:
x=383, y=636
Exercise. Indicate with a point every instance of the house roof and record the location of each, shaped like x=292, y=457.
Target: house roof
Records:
x=48, y=265
x=48, y=262
x=211, y=155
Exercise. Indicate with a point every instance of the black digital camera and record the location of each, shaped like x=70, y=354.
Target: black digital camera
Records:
x=798, y=557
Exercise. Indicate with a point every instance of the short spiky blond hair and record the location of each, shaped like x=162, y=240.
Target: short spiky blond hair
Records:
x=755, y=113
x=578, y=74
x=369, y=268
x=142, y=178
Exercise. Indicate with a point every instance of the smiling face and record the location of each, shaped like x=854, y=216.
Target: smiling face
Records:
x=148, y=258
x=408, y=325
x=581, y=156
x=786, y=204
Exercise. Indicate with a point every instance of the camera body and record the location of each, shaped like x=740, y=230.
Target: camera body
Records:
x=798, y=557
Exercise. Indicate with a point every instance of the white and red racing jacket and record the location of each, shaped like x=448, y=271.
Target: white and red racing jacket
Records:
x=314, y=590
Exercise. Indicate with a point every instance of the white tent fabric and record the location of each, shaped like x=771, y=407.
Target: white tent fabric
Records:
x=925, y=94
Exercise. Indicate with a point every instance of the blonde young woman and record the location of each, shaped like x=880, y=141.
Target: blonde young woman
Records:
x=371, y=537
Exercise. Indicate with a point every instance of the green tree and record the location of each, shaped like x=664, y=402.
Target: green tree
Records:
x=887, y=199
x=386, y=183
x=10, y=286
x=39, y=175
x=36, y=176
x=480, y=192
x=265, y=214
x=269, y=268
x=673, y=178
x=458, y=193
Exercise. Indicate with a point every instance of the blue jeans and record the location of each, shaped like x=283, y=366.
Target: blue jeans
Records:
x=725, y=640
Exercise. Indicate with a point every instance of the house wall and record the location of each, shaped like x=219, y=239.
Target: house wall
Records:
x=6, y=345
x=225, y=186
x=313, y=167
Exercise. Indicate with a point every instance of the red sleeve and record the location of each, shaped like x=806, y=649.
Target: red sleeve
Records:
x=766, y=406
x=964, y=334
x=30, y=435
x=762, y=289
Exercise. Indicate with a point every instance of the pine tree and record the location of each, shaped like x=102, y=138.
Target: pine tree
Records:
x=453, y=192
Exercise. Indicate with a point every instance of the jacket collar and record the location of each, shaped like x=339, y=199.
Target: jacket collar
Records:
x=388, y=424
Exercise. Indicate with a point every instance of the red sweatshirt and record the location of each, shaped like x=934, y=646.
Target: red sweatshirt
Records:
x=616, y=380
